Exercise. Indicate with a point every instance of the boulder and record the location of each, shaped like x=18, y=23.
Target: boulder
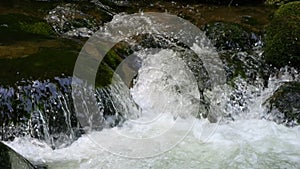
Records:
x=282, y=41
x=283, y=106
x=9, y=159
x=239, y=49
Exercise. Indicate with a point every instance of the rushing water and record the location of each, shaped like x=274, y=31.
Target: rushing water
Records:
x=248, y=142
x=167, y=131
x=242, y=144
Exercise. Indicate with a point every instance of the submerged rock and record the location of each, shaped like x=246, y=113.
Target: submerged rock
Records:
x=230, y=36
x=9, y=159
x=78, y=20
x=66, y=19
x=154, y=43
x=42, y=110
x=46, y=110
x=249, y=66
x=282, y=41
x=284, y=105
x=239, y=49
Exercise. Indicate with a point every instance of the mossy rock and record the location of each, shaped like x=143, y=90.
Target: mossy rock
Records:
x=50, y=62
x=40, y=28
x=22, y=23
x=282, y=41
x=284, y=104
x=79, y=19
x=229, y=36
x=33, y=52
x=249, y=67
x=46, y=63
x=278, y=2
x=235, y=46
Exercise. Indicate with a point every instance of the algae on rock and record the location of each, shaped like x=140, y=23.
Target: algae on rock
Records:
x=282, y=41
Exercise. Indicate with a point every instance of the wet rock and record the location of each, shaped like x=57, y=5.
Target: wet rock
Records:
x=22, y=27
x=46, y=110
x=9, y=159
x=278, y=2
x=45, y=61
x=240, y=51
x=41, y=110
x=80, y=19
x=283, y=106
x=282, y=41
x=249, y=20
x=249, y=66
x=68, y=20
x=230, y=36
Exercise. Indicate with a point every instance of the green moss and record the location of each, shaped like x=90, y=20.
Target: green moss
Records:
x=40, y=28
x=278, y=2
x=110, y=63
x=228, y=36
x=47, y=63
x=112, y=59
x=18, y=27
x=235, y=45
x=5, y=161
x=235, y=68
x=104, y=75
x=288, y=9
x=282, y=41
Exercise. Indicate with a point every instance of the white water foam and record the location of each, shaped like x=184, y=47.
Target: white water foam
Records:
x=245, y=143
x=242, y=144
x=248, y=142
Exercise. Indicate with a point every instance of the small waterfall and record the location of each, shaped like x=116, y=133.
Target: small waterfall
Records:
x=171, y=80
x=45, y=110
x=41, y=109
x=176, y=90
x=165, y=85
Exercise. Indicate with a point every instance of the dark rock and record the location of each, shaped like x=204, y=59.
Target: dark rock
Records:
x=250, y=67
x=80, y=19
x=66, y=19
x=42, y=110
x=9, y=159
x=239, y=49
x=230, y=36
x=284, y=105
x=22, y=27
x=46, y=60
x=46, y=110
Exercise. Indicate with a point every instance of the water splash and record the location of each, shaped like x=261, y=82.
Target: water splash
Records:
x=242, y=140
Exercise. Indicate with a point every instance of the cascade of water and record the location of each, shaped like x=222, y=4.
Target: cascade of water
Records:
x=166, y=92
x=44, y=110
